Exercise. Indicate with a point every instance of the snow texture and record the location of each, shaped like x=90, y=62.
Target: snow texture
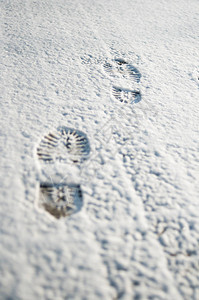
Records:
x=122, y=220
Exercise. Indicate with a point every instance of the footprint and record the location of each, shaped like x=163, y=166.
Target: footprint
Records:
x=125, y=95
x=64, y=145
x=119, y=65
x=60, y=200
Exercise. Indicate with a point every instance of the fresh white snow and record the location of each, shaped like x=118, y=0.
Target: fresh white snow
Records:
x=136, y=234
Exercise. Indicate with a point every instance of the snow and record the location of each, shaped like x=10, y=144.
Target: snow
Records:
x=136, y=234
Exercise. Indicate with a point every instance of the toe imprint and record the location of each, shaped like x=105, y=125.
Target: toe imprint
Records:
x=65, y=144
x=119, y=65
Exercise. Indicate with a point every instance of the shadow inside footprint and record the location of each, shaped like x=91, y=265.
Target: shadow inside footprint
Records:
x=120, y=61
x=64, y=145
x=125, y=95
x=60, y=200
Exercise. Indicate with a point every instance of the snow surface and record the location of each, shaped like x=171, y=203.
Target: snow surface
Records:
x=137, y=233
